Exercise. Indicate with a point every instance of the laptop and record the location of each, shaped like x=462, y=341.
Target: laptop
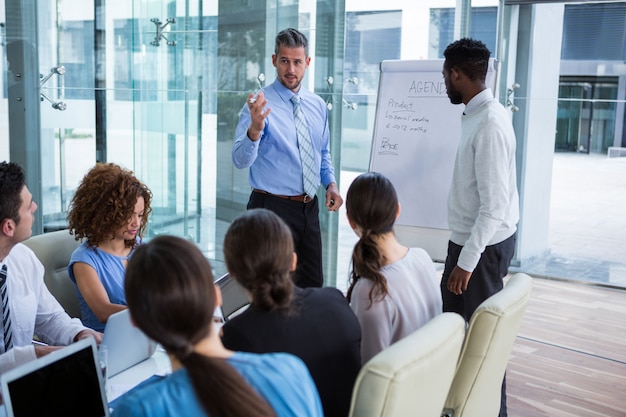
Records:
x=126, y=344
x=234, y=297
x=66, y=382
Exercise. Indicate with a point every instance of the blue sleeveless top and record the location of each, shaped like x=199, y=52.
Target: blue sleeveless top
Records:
x=111, y=271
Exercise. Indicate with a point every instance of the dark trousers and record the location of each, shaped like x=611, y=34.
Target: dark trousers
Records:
x=486, y=280
x=303, y=220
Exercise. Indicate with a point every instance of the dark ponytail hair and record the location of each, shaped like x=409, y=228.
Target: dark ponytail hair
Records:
x=171, y=296
x=372, y=205
x=258, y=250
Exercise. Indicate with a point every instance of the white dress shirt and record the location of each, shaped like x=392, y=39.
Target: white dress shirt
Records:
x=34, y=311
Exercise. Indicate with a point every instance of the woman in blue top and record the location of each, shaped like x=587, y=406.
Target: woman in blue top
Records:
x=110, y=213
x=171, y=297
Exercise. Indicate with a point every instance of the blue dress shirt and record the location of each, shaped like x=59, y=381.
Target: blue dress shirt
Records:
x=274, y=160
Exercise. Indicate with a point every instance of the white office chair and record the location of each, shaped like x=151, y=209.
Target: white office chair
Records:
x=412, y=376
x=475, y=390
x=54, y=250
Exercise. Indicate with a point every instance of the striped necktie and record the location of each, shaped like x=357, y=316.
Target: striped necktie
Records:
x=6, y=311
x=309, y=175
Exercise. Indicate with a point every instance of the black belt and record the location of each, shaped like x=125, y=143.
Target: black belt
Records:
x=302, y=198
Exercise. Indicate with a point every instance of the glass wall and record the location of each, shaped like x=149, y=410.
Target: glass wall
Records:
x=128, y=82
x=68, y=120
x=140, y=84
x=245, y=48
x=587, y=114
x=157, y=86
x=592, y=77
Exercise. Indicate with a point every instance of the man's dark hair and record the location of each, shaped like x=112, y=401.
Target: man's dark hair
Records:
x=291, y=38
x=12, y=180
x=470, y=56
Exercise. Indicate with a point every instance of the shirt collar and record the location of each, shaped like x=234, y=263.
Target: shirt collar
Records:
x=284, y=92
x=478, y=100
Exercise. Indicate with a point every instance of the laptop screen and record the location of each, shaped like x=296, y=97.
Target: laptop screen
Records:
x=68, y=384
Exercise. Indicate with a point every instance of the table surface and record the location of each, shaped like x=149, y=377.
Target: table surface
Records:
x=157, y=364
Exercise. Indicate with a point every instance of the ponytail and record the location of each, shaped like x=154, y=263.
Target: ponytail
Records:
x=367, y=260
x=168, y=281
x=221, y=390
x=372, y=206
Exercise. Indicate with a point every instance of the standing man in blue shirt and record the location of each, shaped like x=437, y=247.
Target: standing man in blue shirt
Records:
x=283, y=136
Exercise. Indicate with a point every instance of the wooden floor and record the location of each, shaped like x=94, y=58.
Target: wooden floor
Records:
x=569, y=359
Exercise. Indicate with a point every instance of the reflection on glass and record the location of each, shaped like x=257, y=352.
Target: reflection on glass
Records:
x=168, y=112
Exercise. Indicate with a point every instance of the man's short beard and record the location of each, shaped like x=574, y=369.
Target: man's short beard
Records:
x=455, y=98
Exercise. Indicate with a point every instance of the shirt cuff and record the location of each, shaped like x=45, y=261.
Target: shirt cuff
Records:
x=467, y=262
x=17, y=356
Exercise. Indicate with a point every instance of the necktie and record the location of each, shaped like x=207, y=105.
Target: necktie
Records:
x=6, y=311
x=309, y=174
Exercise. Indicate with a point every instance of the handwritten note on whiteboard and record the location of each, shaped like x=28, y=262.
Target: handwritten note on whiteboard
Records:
x=416, y=133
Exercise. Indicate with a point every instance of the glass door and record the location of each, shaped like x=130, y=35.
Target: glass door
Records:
x=155, y=113
x=68, y=123
x=127, y=82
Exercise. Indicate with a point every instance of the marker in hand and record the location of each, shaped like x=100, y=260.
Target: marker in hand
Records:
x=255, y=97
x=260, y=80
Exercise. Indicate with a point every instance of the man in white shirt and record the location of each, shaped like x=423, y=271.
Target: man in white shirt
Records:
x=33, y=310
x=483, y=204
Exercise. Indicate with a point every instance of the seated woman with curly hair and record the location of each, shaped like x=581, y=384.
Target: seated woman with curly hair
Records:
x=109, y=212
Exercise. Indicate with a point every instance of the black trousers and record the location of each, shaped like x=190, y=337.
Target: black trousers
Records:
x=303, y=220
x=486, y=280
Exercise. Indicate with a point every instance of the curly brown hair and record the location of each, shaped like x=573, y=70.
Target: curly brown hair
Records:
x=104, y=202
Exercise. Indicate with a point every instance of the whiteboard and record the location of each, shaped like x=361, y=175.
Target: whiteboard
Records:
x=416, y=132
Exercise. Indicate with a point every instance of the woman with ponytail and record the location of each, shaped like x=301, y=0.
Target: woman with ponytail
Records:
x=171, y=297
x=393, y=290
x=315, y=324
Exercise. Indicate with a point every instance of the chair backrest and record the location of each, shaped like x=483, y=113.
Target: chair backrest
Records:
x=476, y=387
x=412, y=376
x=54, y=250
x=234, y=296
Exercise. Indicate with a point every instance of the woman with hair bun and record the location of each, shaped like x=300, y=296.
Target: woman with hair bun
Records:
x=315, y=324
x=171, y=297
x=393, y=289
